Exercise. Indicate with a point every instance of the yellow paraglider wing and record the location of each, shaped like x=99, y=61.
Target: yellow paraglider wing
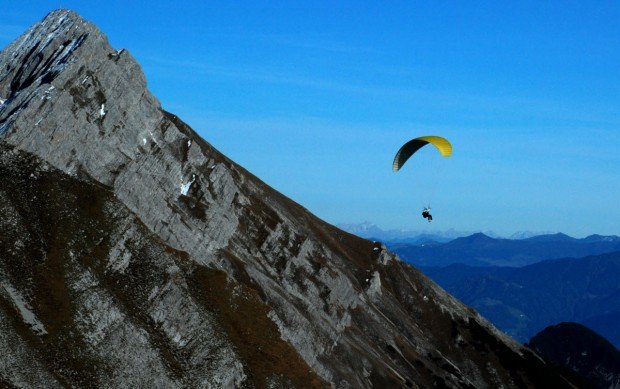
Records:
x=409, y=148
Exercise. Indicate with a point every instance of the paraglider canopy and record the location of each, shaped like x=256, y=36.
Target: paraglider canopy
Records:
x=409, y=148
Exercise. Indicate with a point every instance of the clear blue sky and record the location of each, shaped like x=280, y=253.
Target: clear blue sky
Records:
x=316, y=98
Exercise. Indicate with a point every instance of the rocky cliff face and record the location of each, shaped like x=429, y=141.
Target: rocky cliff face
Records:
x=136, y=253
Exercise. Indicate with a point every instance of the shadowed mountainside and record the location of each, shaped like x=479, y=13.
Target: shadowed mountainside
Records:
x=582, y=350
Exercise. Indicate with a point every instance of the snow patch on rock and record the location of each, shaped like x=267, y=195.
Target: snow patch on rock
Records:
x=374, y=287
x=24, y=309
x=185, y=186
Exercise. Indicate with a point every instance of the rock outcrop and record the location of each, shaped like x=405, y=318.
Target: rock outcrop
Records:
x=138, y=255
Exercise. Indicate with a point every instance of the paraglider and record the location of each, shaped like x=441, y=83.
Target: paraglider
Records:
x=426, y=214
x=408, y=149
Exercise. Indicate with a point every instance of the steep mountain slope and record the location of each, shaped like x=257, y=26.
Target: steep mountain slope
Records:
x=102, y=299
x=482, y=250
x=523, y=301
x=168, y=257
x=581, y=350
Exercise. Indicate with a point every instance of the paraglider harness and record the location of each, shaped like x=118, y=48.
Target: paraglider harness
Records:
x=426, y=214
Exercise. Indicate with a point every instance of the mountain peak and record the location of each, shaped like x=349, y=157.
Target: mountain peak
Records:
x=43, y=51
x=62, y=79
x=60, y=14
x=557, y=237
x=601, y=238
x=476, y=237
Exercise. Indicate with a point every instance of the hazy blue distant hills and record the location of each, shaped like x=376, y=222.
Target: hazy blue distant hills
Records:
x=368, y=230
x=482, y=250
x=522, y=301
x=581, y=350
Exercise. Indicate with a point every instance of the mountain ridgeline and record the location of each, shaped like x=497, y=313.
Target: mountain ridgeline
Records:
x=482, y=250
x=134, y=254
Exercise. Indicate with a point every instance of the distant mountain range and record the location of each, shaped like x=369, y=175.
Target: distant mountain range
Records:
x=482, y=250
x=523, y=301
x=581, y=350
x=370, y=230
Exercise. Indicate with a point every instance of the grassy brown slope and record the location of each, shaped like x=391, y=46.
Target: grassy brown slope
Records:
x=269, y=359
x=49, y=227
x=64, y=226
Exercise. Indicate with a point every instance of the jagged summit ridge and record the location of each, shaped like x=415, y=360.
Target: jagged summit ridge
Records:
x=353, y=312
x=30, y=51
x=36, y=58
